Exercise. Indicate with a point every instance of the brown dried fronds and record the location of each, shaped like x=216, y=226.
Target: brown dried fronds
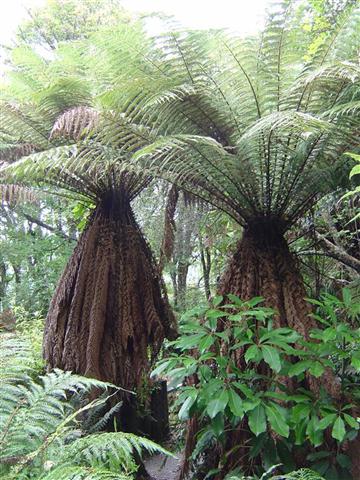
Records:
x=75, y=123
x=191, y=200
x=11, y=153
x=14, y=194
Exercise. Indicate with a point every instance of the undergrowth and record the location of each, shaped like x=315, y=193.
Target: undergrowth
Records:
x=48, y=426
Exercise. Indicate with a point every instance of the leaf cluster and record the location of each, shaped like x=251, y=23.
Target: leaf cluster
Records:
x=42, y=423
x=240, y=362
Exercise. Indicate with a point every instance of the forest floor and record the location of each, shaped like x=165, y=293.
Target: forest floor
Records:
x=162, y=467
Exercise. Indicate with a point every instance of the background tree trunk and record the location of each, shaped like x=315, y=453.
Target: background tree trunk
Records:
x=184, y=245
x=205, y=258
x=3, y=283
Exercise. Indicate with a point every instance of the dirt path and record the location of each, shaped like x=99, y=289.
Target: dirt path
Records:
x=161, y=467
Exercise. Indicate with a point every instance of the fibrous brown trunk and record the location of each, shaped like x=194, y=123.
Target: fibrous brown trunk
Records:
x=109, y=314
x=262, y=265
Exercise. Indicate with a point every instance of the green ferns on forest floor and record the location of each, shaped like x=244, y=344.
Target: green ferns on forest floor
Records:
x=42, y=436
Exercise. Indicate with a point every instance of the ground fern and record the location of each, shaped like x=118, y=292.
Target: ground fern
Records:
x=41, y=424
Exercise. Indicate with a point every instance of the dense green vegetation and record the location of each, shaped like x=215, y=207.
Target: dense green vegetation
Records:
x=282, y=417
x=41, y=432
x=180, y=207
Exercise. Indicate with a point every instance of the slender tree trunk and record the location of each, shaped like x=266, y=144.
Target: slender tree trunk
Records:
x=173, y=276
x=186, y=225
x=17, y=276
x=182, y=273
x=205, y=257
x=3, y=284
x=109, y=314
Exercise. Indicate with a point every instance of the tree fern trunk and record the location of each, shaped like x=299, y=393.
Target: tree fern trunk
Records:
x=262, y=265
x=109, y=314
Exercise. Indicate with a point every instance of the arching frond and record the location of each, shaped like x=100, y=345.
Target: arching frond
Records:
x=83, y=473
x=39, y=427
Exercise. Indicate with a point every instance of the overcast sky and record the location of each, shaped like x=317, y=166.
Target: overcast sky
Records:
x=242, y=16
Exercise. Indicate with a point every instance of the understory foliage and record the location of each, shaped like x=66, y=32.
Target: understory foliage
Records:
x=355, y=171
x=49, y=426
x=249, y=373
x=302, y=474
x=35, y=243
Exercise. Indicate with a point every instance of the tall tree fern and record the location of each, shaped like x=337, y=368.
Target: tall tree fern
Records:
x=109, y=314
x=276, y=127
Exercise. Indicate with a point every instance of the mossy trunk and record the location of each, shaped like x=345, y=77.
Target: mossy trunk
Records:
x=109, y=314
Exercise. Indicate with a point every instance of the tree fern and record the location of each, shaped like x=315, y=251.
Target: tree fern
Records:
x=63, y=105
x=258, y=128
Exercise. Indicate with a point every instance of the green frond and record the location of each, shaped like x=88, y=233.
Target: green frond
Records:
x=63, y=94
x=39, y=427
x=31, y=411
x=99, y=448
x=183, y=160
x=99, y=417
x=302, y=474
x=82, y=473
x=16, y=359
x=23, y=125
x=87, y=170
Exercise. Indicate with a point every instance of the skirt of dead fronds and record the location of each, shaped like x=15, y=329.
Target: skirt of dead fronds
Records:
x=109, y=314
